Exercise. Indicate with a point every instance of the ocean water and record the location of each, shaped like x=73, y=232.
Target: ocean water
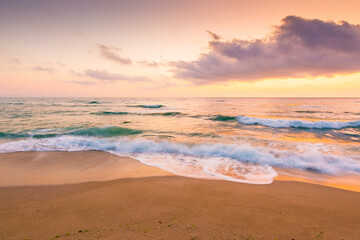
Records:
x=237, y=139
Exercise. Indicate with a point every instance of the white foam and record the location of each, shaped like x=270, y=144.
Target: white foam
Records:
x=209, y=167
x=242, y=163
x=296, y=123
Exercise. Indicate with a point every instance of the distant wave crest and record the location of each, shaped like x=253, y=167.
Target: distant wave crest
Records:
x=143, y=114
x=104, y=132
x=296, y=123
x=222, y=118
x=147, y=106
x=110, y=113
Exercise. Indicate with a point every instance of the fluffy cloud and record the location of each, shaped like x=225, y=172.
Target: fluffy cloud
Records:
x=104, y=75
x=298, y=47
x=111, y=53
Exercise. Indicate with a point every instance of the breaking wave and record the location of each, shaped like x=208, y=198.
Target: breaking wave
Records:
x=110, y=131
x=296, y=123
x=241, y=163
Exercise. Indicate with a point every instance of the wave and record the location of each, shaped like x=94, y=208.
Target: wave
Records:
x=147, y=106
x=148, y=114
x=295, y=123
x=12, y=135
x=110, y=113
x=353, y=113
x=222, y=118
x=313, y=112
x=197, y=134
x=163, y=114
x=110, y=131
x=241, y=163
x=197, y=116
x=105, y=132
x=5, y=135
x=16, y=103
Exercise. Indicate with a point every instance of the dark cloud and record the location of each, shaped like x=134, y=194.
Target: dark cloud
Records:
x=44, y=69
x=111, y=53
x=104, y=75
x=298, y=47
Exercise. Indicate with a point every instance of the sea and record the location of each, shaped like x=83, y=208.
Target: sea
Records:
x=248, y=140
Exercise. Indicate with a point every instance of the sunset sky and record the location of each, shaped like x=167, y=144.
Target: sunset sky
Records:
x=164, y=48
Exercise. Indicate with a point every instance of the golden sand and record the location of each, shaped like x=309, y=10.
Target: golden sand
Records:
x=145, y=205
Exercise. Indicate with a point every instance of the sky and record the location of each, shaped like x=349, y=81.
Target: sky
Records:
x=166, y=48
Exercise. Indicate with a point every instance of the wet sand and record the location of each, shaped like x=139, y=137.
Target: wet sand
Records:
x=49, y=168
x=148, y=203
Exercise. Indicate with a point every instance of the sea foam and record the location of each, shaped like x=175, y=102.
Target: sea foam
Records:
x=296, y=123
x=241, y=163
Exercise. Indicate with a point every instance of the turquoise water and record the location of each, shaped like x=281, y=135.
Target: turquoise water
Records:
x=237, y=139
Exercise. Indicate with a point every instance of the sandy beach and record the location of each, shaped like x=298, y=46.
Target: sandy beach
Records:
x=148, y=203
x=180, y=120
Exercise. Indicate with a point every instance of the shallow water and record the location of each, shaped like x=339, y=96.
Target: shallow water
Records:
x=237, y=139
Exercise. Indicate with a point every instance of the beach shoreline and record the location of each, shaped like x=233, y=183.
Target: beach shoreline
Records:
x=37, y=168
x=150, y=203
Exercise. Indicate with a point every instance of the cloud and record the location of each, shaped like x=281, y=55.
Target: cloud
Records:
x=44, y=69
x=82, y=82
x=111, y=54
x=148, y=63
x=61, y=64
x=141, y=81
x=296, y=48
x=74, y=73
x=14, y=60
x=213, y=35
x=104, y=75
